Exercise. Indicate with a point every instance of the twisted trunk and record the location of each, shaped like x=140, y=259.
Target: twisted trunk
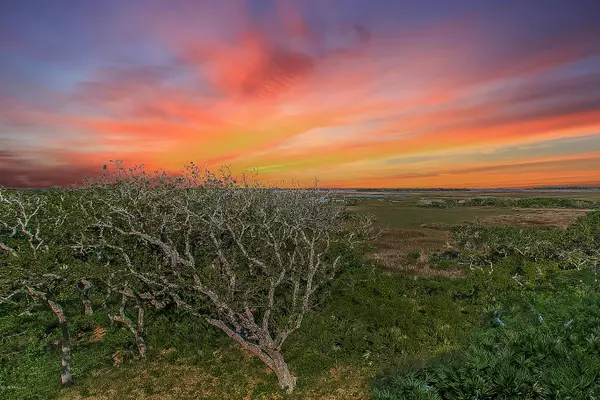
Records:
x=66, y=378
x=136, y=331
x=265, y=350
x=279, y=366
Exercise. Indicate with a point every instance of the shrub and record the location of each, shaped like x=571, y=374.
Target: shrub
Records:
x=543, y=335
x=245, y=258
x=518, y=356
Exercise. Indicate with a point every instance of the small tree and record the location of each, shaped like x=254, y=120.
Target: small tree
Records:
x=246, y=258
x=35, y=265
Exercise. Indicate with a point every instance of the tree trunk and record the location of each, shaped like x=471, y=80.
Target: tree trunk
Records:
x=85, y=296
x=87, y=307
x=141, y=345
x=265, y=352
x=66, y=378
x=285, y=378
x=139, y=340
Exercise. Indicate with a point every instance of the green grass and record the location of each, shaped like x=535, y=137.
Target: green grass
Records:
x=550, y=351
x=405, y=212
x=365, y=322
x=407, y=215
x=412, y=229
x=542, y=339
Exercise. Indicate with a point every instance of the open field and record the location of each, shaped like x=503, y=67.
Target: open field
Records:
x=412, y=233
x=413, y=196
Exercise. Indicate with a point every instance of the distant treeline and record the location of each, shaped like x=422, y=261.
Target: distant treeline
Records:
x=534, y=202
x=566, y=188
x=411, y=190
x=473, y=189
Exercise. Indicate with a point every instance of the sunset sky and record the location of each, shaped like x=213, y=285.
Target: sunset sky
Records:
x=373, y=93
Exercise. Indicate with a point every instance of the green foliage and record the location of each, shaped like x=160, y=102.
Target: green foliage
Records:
x=584, y=233
x=521, y=359
x=364, y=318
x=480, y=245
x=376, y=319
x=499, y=201
x=413, y=256
x=543, y=335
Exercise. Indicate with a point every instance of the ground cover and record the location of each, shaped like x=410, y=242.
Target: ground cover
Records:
x=401, y=319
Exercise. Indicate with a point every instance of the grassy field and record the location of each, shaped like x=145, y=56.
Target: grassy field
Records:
x=394, y=309
x=413, y=233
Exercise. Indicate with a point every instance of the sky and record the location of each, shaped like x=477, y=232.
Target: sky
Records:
x=355, y=93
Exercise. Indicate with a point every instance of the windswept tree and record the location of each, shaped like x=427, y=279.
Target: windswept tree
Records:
x=246, y=258
x=35, y=265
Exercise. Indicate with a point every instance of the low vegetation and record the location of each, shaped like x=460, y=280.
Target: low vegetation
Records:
x=524, y=355
x=542, y=338
x=135, y=286
x=501, y=201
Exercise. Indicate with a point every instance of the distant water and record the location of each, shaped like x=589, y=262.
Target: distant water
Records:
x=376, y=195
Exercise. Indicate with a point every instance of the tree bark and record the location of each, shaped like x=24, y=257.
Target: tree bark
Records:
x=279, y=366
x=88, y=307
x=139, y=340
x=66, y=378
x=85, y=296
x=271, y=356
x=141, y=345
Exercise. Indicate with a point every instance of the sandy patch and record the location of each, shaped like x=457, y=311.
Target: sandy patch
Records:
x=536, y=218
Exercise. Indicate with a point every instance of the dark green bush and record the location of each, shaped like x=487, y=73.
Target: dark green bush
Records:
x=520, y=355
x=377, y=319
